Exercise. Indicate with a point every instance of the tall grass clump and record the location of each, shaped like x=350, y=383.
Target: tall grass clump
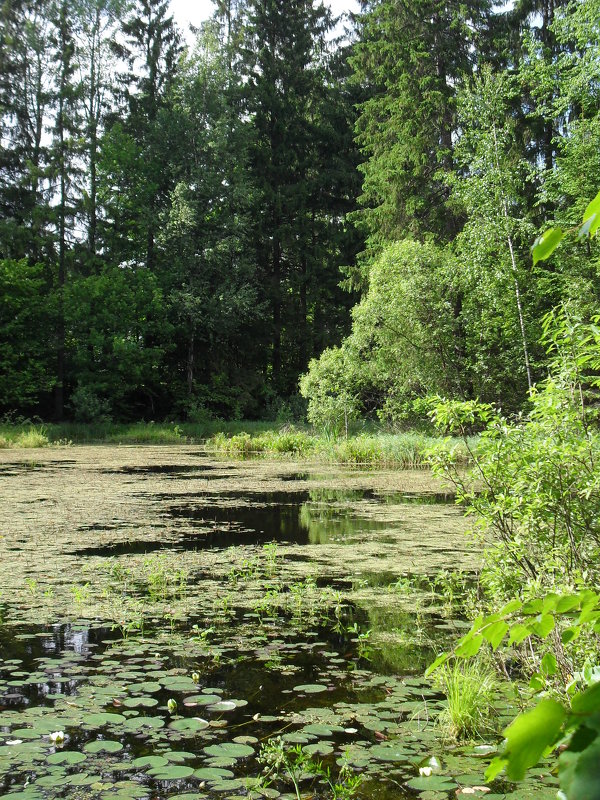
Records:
x=407, y=450
x=30, y=436
x=470, y=689
x=287, y=441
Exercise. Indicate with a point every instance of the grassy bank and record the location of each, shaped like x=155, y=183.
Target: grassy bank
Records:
x=32, y=435
x=236, y=439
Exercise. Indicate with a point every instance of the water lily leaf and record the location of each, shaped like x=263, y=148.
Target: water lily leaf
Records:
x=228, y=705
x=311, y=688
x=179, y=684
x=178, y=756
x=140, y=702
x=82, y=779
x=154, y=762
x=229, y=750
x=432, y=782
x=202, y=700
x=212, y=774
x=51, y=781
x=188, y=796
x=103, y=746
x=227, y=786
x=391, y=752
x=148, y=687
x=191, y=725
x=318, y=749
x=103, y=718
x=66, y=757
x=139, y=723
x=173, y=772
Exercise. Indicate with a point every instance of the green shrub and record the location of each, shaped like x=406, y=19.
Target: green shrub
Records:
x=88, y=406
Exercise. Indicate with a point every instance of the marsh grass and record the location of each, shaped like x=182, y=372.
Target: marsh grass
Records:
x=404, y=450
x=470, y=688
x=23, y=436
x=366, y=447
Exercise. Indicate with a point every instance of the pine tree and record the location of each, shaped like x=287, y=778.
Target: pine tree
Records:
x=409, y=58
x=136, y=153
x=25, y=96
x=286, y=72
x=63, y=154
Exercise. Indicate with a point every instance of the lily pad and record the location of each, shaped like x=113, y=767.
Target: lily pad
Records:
x=66, y=757
x=311, y=688
x=189, y=725
x=212, y=774
x=103, y=746
x=173, y=772
x=229, y=750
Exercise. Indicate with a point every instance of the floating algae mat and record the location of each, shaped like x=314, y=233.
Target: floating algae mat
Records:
x=171, y=629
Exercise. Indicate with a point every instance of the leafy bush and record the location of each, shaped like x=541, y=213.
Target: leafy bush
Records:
x=567, y=715
x=329, y=387
x=535, y=484
x=88, y=406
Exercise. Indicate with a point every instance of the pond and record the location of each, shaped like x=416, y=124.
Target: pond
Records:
x=173, y=626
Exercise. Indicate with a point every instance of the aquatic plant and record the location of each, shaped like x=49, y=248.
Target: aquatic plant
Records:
x=470, y=689
x=291, y=764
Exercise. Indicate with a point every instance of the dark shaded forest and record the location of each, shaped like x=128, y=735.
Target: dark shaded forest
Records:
x=185, y=231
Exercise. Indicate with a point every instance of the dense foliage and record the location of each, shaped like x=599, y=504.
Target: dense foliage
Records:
x=478, y=130
x=173, y=219
x=176, y=222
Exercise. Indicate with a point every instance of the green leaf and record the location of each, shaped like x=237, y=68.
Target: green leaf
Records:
x=518, y=634
x=495, y=633
x=546, y=244
x=533, y=606
x=528, y=737
x=591, y=218
x=441, y=659
x=549, y=665
x=469, y=646
x=567, y=603
x=511, y=607
x=495, y=768
x=544, y=626
x=588, y=701
x=578, y=773
x=569, y=634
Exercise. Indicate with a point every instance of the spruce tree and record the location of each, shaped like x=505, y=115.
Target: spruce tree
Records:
x=409, y=58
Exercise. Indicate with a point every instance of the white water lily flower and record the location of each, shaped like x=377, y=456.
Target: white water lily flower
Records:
x=425, y=771
x=12, y=742
x=58, y=737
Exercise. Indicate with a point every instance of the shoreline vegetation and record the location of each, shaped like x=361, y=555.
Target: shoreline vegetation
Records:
x=373, y=447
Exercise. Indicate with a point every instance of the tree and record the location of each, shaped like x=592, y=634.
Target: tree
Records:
x=285, y=68
x=405, y=340
x=25, y=95
x=25, y=357
x=63, y=153
x=488, y=186
x=411, y=57
x=138, y=184
x=211, y=282
x=98, y=20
